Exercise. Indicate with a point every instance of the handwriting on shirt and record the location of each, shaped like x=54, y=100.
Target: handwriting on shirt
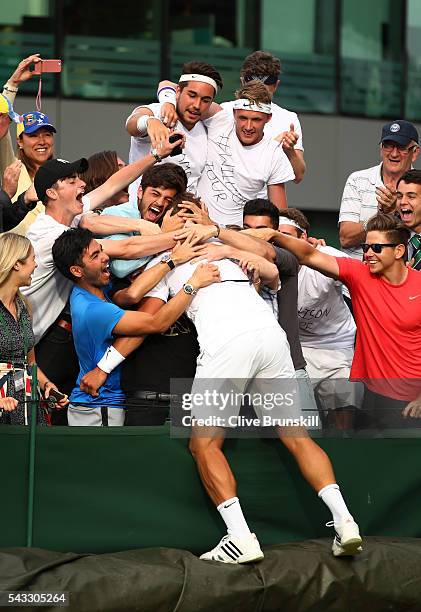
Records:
x=307, y=316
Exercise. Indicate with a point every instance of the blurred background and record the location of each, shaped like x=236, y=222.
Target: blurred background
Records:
x=348, y=66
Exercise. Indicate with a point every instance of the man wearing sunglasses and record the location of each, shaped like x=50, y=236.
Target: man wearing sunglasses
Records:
x=374, y=189
x=386, y=298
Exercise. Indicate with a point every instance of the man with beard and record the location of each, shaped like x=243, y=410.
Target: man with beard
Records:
x=96, y=320
x=195, y=92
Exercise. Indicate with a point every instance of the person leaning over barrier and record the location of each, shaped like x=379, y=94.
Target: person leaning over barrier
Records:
x=96, y=320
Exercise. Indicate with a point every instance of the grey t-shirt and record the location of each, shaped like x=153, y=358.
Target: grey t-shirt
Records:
x=287, y=265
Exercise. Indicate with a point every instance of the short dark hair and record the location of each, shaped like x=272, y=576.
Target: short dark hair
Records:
x=169, y=176
x=260, y=207
x=391, y=226
x=412, y=176
x=203, y=68
x=68, y=249
x=296, y=215
x=260, y=63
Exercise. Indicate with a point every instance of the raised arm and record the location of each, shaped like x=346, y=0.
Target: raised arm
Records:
x=121, y=179
x=277, y=195
x=304, y=252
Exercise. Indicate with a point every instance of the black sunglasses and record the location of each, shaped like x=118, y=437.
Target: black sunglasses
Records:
x=377, y=247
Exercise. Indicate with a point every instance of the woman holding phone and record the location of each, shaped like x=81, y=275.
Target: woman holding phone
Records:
x=17, y=263
x=35, y=144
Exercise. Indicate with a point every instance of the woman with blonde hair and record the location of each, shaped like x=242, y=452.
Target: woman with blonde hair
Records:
x=17, y=262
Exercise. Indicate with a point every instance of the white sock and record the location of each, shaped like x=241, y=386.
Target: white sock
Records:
x=333, y=499
x=233, y=517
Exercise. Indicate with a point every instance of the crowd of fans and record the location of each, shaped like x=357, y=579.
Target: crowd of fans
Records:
x=187, y=263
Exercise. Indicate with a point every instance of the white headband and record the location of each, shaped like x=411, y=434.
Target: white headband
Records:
x=199, y=77
x=286, y=221
x=260, y=107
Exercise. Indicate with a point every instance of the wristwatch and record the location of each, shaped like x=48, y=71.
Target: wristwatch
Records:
x=189, y=289
x=155, y=153
x=167, y=260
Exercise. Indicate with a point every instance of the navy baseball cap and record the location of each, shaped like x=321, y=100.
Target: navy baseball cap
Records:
x=54, y=170
x=31, y=122
x=399, y=131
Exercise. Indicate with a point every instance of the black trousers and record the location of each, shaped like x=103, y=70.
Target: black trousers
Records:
x=55, y=354
x=146, y=408
x=381, y=413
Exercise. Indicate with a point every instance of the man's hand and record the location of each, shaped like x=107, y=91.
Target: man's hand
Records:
x=211, y=251
x=158, y=133
x=195, y=213
x=164, y=148
x=315, y=242
x=11, y=178
x=386, y=199
x=8, y=404
x=199, y=233
x=169, y=115
x=251, y=268
x=23, y=72
x=264, y=233
x=205, y=275
x=92, y=381
x=184, y=251
x=171, y=222
x=413, y=409
x=288, y=139
x=147, y=228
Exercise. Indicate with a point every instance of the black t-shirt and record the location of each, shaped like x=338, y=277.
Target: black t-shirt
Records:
x=288, y=265
x=160, y=357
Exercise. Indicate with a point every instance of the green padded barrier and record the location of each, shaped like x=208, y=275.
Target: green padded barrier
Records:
x=298, y=577
x=102, y=490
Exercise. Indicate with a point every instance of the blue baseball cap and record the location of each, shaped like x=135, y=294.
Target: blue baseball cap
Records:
x=6, y=108
x=31, y=122
x=399, y=131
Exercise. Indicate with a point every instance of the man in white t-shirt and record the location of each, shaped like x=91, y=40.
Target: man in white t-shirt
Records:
x=284, y=125
x=326, y=327
x=242, y=163
x=244, y=349
x=147, y=126
x=58, y=185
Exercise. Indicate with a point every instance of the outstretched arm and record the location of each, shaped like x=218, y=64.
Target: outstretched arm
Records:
x=304, y=252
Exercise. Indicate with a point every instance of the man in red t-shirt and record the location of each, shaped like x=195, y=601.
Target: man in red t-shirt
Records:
x=386, y=298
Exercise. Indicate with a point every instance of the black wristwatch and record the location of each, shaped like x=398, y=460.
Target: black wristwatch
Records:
x=167, y=260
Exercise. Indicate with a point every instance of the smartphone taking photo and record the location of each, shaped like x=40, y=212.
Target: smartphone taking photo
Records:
x=51, y=65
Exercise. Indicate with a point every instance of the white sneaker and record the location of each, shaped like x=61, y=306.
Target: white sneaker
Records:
x=235, y=550
x=347, y=540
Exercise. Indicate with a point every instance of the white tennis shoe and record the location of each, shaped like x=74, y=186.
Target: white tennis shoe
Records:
x=235, y=550
x=347, y=540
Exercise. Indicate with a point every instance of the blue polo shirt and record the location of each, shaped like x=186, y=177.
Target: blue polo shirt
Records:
x=93, y=321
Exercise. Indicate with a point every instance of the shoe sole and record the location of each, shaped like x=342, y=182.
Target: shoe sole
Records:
x=350, y=548
x=251, y=558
